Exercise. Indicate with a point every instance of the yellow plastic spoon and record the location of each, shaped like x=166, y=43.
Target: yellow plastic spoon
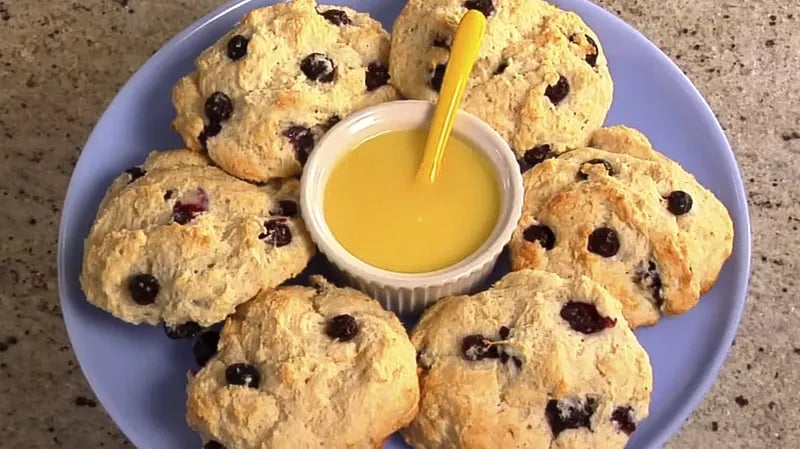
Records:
x=464, y=51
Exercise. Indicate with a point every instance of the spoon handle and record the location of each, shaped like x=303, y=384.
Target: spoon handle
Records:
x=466, y=44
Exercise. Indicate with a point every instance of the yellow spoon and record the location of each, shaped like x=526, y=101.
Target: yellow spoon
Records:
x=464, y=51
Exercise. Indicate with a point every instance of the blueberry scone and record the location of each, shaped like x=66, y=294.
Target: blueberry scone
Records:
x=265, y=92
x=629, y=218
x=541, y=78
x=305, y=367
x=536, y=361
x=180, y=241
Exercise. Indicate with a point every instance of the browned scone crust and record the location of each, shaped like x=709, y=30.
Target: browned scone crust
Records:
x=275, y=111
x=664, y=262
x=314, y=391
x=545, y=385
x=541, y=78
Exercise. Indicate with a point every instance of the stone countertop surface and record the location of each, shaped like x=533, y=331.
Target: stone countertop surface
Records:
x=61, y=62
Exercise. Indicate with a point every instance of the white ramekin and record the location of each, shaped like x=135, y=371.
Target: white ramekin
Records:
x=402, y=292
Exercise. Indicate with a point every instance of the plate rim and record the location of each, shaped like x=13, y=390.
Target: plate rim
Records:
x=742, y=238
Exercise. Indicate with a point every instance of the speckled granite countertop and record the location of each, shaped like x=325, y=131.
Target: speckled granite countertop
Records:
x=61, y=62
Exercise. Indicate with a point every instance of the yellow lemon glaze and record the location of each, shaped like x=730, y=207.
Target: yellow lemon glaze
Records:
x=378, y=211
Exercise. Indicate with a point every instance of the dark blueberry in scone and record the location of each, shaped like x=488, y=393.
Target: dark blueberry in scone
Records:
x=679, y=202
x=342, y=328
x=541, y=234
x=609, y=168
x=477, y=347
x=336, y=17
x=623, y=416
x=237, y=47
x=242, y=374
x=377, y=75
x=604, y=242
x=219, y=107
x=213, y=445
x=276, y=233
x=185, y=211
x=143, y=288
x=558, y=91
x=569, y=414
x=535, y=156
x=302, y=139
x=136, y=173
x=585, y=318
x=318, y=67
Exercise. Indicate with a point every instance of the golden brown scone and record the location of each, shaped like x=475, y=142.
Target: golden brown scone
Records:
x=180, y=241
x=706, y=227
x=265, y=92
x=669, y=236
x=300, y=367
x=535, y=362
x=541, y=79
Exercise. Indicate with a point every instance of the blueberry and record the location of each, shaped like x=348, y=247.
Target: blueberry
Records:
x=563, y=415
x=242, y=374
x=143, y=288
x=336, y=17
x=218, y=108
x=584, y=318
x=237, y=47
x=318, y=67
x=477, y=347
x=377, y=75
x=623, y=416
x=557, y=92
x=609, y=168
x=535, y=156
x=604, y=241
x=136, y=173
x=342, y=328
x=276, y=233
x=541, y=234
x=679, y=202
x=302, y=139
x=213, y=445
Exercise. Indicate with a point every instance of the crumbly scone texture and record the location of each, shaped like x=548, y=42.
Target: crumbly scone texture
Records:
x=550, y=387
x=314, y=391
x=529, y=45
x=664, y=261
x=272, y=112
x=209, y=240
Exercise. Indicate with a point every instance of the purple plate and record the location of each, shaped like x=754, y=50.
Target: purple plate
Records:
x=140, y=376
